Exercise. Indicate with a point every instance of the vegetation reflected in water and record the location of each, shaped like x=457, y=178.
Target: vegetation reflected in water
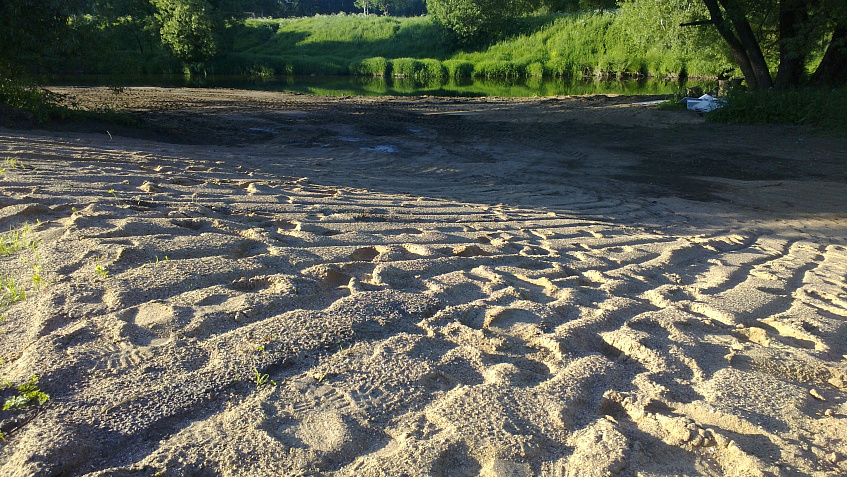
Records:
x=369, y=86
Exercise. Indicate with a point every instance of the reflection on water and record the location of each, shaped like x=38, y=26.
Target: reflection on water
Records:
x=366, y=86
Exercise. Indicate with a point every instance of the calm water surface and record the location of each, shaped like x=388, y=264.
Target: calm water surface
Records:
x=365, y=86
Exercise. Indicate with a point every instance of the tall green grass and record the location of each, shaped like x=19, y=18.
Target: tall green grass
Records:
x=426, y=68
x=376, y=66
x=632, y=40
x=585, y=44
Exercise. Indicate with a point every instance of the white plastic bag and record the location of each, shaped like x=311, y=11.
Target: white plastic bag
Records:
x=705, y=103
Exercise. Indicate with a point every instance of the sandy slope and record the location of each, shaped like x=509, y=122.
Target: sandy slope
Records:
x=424, y=303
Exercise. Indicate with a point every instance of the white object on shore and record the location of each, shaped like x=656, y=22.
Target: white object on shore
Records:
x=704, y=103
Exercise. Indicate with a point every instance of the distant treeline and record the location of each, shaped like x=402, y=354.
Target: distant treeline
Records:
x=307, y=8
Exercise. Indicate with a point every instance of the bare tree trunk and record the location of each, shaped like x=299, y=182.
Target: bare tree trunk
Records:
x=832, y=71
x=734, y=43
x=736, y=16
x=793, y=15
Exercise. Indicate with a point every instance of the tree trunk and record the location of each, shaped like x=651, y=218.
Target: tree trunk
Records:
x=793, y=15
x=734, y=43
x=748, y=40
x=832, y=72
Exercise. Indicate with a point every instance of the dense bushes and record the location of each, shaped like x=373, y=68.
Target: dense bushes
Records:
x=376, y=66
x=472, y=21
x=418, y=69
x=37, y=104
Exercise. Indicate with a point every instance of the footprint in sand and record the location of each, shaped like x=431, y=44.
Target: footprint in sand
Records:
x=470, y=251
x=365, y=254
x=149, y=324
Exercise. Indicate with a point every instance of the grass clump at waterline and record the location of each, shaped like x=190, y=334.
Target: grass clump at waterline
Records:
x=426, y=68
x=823, y=110
x=377, y=66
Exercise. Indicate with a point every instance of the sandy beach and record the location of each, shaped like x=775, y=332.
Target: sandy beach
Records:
x=252, y=283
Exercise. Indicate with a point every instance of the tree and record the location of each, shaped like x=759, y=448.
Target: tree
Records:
x=187, y=28
x=801, y=26
x=193, y=29
x=471, y=20
x=33, y=29
x=366, y=5
x=387, y=7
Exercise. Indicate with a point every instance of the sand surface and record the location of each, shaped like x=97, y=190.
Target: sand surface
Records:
x=423, y=286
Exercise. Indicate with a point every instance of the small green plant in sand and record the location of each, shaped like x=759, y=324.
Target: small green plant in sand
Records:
x=16, y=240
x=114, y=194
x=101, y=271
x=28, y=393
x=262, y=379
x=37, y=280
x=10, y=163
x=10, y=292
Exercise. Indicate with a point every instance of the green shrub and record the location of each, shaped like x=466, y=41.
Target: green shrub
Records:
x=405, y=67
x=535, y=69
x=376, y=66
x=426, y=68
x=458, y=68
x=470, y=21
x=431, y=69
x=38, y=103
x=498, y=69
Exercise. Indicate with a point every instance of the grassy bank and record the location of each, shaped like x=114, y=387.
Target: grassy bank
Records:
x=599, y=44
x=556, y=45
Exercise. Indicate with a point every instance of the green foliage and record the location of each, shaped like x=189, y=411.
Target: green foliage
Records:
x=649, y=31
x=16, y=240
x=262, y=379
x=535, y=69
x=34, y=102
x=431, y=69
x=472, y=20
x=426, y=68
x=28, y=393
x=558, y=45
x=376, y=66
x=33, y=29
x=498, y=69
x=821, y=109
x=458, y=68
x=611, y=43
x=10, y=292
x=352, y=36
x=387, y=7
x=188, y=28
